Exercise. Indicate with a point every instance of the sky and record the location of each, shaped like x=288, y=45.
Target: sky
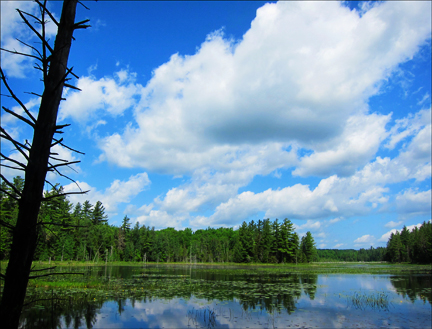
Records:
x=208, y=114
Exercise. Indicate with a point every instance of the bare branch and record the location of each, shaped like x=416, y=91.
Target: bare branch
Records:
x=3, y=77
x=22, y=54
x=83, y=5
x=19, y=117
x=67, y=177
x=63, y=164
x=46, y=60
x=63, y=194
x=35, y=49
x=81, y=25
x=38, y=20
x=69, y=148
x=16, y=168
x=32, y=93
x=13, y=160
x=17, y=145
x=62, y=80
x=47, y=11
x=58, y=159
x=44, y=41
x=61, y=127
x=7, y=225
x=46, y=181
x=72, y=87
x=10, y=185
x=59, y=141
x=74, y=74
x=9, y=194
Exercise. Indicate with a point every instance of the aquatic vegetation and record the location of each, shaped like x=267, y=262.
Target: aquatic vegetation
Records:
x=362, y=301
x=263, y=296
x=206, y=316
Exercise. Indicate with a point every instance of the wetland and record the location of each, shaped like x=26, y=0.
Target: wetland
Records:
x=349, y=295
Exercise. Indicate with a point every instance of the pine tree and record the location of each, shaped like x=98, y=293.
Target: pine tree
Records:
x=267, y=241
x=98, y=214
x=308, y=246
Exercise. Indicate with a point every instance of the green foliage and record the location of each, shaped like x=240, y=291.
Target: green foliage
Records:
x=307, y=247
x=81, y=233
x=415, y=246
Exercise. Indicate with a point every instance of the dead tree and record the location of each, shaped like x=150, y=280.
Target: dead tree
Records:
x=52, y=62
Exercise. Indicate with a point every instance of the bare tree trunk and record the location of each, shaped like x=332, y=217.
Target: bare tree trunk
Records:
x=25, y=233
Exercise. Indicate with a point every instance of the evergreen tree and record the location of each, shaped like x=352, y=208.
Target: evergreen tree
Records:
x=394, y=247
x=267, y=241
x=308, y=247
x=98, y=214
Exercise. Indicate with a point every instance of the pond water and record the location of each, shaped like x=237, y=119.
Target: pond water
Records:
x=218, y=297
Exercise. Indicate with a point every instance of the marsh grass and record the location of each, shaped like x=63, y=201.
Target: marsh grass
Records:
x=377, y=301
x=206, y=316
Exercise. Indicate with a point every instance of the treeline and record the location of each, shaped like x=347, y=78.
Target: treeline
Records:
x=85, y=235
x=411, y=246
x=351, y=255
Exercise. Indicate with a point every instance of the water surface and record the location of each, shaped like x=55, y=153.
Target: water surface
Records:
x=218, y=297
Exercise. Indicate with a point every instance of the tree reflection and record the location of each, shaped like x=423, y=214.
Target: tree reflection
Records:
x=413, y=287
x=268, y=294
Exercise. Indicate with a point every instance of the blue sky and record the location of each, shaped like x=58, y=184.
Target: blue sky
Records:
x=197, y=114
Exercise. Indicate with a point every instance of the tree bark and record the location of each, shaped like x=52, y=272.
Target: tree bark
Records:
x=25, y=234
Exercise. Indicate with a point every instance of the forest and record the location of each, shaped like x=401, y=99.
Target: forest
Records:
x=80, y=232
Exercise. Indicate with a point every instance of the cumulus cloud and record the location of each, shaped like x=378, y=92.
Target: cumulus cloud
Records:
x=299, y=79
x=414, y=202
x=12, y=27
x=357, y=144
x=301, y=74
x=365, y=239
x=161, y=219
x=408, y=126
x=386, y=236
x=108, y=95
x=392, y=224
x=118, y=192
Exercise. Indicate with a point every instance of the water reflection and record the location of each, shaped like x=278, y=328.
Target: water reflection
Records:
x=179, y=298
x=413, y=287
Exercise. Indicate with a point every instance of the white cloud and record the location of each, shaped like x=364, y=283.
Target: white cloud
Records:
x=424, y=99
x=335, y=220
x=117, y=192
x=9, y=119
x=338, y=245
x=107, y=95
x=302, y=73
x=357, y=144
x=408, y=126
x=300, y=78
x=392, y=224
x=365, y=239
x=412, y=201
x=12, y=27
x=160, y=219
x=386, y=236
